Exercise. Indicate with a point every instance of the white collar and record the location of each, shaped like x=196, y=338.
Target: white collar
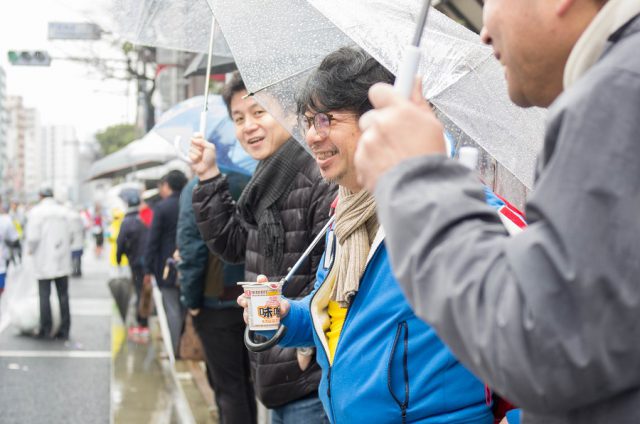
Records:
x=591, y=44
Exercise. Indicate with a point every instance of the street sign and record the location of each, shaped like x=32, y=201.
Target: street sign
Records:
x=29, y=58
x=74, y=31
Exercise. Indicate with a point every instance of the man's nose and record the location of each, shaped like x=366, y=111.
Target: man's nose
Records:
x=312, y=137
x=249, y=124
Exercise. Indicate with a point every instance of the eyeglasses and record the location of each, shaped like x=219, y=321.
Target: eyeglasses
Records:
x=321, y=122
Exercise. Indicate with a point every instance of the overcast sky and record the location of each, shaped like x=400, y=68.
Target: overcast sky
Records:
x=66, y=92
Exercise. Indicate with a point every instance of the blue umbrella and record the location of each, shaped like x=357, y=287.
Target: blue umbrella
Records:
x=178, y=124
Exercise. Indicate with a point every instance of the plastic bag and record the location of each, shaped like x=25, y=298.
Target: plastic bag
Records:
x=20, y=303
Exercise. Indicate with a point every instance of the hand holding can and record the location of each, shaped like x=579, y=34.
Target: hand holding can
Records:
x=263, y=304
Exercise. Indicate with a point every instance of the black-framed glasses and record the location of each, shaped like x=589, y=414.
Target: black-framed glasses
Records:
x=321, y=122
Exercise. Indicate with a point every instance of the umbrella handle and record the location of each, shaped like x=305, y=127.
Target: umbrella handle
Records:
x=262, y=346
x=203, y=122
x=407, y=71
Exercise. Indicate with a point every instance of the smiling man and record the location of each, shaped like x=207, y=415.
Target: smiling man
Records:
x=549, y=317
x=380, y=362
x=280, y=210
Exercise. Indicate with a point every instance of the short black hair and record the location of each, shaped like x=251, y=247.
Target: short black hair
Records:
x=233, y=86
x=175, y=179
x=342, y=82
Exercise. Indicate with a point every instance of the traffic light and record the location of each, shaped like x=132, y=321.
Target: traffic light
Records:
x=29, y=58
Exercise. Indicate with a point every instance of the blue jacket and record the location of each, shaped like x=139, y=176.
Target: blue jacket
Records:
x=195, y=257
x=388, y=363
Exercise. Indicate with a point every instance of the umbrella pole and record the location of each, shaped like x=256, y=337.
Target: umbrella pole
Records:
x=411, y=58
x=205, y=108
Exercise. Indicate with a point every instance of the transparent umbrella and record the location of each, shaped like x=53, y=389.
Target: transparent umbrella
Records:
x=171, y=24
x=276, y=43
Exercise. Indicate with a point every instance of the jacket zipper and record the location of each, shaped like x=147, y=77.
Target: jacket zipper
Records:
x=341, y=332
x=403, y=327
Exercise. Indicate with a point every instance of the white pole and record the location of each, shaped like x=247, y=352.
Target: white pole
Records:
x=205, y=108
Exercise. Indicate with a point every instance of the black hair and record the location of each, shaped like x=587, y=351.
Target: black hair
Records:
x=233, y=86
x=342, y=82
x=175, y=179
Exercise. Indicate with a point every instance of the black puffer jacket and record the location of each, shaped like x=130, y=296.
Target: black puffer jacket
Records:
x=304, y=211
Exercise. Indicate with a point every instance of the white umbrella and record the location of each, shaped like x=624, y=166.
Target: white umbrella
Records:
x=149, y=151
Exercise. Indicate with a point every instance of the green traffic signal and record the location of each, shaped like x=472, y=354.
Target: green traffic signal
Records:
x=12, y=56
x=29, y=58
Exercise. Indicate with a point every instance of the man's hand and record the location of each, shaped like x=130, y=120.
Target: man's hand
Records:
x=304, y=356
x=203, y=158
x=244, y=302
x=194, y=312
x=398, y=129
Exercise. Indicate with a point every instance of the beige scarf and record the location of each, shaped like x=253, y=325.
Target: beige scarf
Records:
x=591, y=44
x=356, y=227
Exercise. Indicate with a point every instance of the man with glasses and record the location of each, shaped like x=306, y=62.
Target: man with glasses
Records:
x=380, y=363
x=549, y=317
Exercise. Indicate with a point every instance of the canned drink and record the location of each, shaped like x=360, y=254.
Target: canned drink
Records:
x=264, y=305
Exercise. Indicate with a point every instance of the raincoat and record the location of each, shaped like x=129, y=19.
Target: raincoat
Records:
x=549, y=318
x=49, y=239
x=114, y=230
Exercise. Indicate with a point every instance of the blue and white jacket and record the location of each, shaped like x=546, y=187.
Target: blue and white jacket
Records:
x=389, y=366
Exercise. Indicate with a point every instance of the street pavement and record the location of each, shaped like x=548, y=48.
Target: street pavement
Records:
x=46, y=381
x=99, y=375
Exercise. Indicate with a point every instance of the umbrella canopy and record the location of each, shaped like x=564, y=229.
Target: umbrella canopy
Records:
x=462, y=79
x=171, y=24
x=149, y=151
x=178, y=124
x=219, y=65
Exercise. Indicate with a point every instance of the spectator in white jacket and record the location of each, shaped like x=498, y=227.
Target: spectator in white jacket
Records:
x=49, y=240
x=8, y=236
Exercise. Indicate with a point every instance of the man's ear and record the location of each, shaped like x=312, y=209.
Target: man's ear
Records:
x=563, y=6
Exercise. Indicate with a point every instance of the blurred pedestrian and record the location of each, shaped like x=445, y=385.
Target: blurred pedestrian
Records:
x=161, y=243
x=97, y=230
x=208, y=289
x=77, y=243
x=131, y=241
x=284, y=205
x=549, y=317
x=49, y=239
x=117, y=216
x=8, y=238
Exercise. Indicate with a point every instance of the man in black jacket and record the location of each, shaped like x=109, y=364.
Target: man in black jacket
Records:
x=131, y=242
x=207, y=289
x=160, y=246
x=285, y=204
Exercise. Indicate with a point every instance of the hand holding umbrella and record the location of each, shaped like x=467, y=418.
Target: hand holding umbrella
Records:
x=203, y=158
x=396, y=130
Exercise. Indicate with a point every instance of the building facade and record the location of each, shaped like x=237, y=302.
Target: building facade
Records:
x=3, y=131
x=23, y=171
